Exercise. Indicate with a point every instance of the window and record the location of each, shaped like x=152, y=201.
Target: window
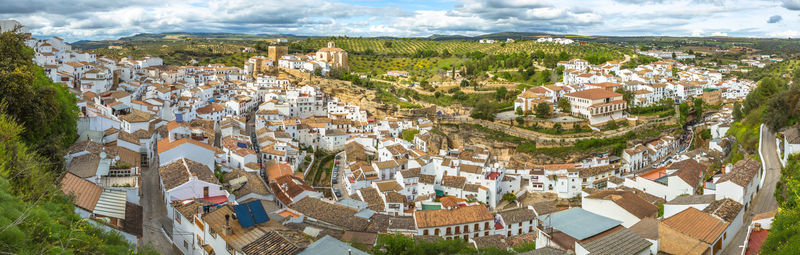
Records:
x=477, y=226
x=436, y=232
x=447, y=231
x=199, y=223
x=486, y=225
x=458, y=230
x=425, y=232
x=466, y=228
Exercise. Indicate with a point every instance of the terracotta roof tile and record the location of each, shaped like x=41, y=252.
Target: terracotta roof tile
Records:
x=629, y=202
x=445, y=217
x=697, y=224
x=86, y=193
x=593, y=94
x=178, y=172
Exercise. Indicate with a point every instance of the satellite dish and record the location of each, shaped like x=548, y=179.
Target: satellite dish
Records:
x=103, y=155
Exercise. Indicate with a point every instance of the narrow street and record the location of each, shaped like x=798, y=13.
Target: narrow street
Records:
x=155, y=212
x=765, y=199
x=340, y=176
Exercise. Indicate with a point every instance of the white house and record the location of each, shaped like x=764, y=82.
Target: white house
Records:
x=597, y=105
x=791, y=142
x=187, y=179
x=681, y=203
x=461, y=223
x=518, y=221
x=741, y=183
x=169, y=151
x=624, y=206
x=679, y=178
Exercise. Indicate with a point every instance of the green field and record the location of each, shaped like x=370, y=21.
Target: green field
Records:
x=413, y=46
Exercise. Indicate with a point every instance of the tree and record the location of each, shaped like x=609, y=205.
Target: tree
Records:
x=484, y=110
x=520, y=120
x=558, y=128
x=519, y=111
x=698, y=107
x=464, y=83
x=500, y=93
x=543, y=110
x=737, y=112
x=611, y=125
x=49, y=121
x=387, y=44
x=683, y=109
x=564, y=105
x=782, y=109
x=627, y=96
x=767, y=87
x=510, y=197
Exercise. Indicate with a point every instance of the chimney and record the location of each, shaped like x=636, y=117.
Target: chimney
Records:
x=227, y=224
x=757, y=227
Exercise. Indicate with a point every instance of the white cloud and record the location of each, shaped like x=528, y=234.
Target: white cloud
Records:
x=785, y=34
x=719, y=34
x=95, y=19
x=792, y=4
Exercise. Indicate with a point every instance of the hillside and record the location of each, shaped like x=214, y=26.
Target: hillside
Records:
x=35, y=215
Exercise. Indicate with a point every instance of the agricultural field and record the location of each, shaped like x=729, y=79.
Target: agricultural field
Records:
x=415, y=47
x=378, y=65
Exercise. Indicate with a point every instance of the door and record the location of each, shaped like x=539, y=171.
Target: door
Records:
x=205, y=191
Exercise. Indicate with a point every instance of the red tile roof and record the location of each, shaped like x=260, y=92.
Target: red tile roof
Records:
x=86, y=193
x=594, y=94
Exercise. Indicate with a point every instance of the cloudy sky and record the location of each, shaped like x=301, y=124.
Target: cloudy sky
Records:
x=111, y=19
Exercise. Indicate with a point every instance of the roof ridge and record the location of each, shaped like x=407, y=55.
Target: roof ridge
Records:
x=186, y=168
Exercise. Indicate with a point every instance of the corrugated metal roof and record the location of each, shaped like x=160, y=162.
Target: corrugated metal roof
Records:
x=579, y=223
x=330, y=245
x=622, y=241
x=111, y=204
x=366, y=213
x=103, y=167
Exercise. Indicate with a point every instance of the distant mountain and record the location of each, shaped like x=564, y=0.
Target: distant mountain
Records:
x=80, y=42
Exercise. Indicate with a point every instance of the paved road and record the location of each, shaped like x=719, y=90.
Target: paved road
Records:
x=765, y=199
x=155, y=212
x=341, y=177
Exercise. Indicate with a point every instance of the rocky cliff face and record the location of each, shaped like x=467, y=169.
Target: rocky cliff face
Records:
x=351, y=94
x=450, y=137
